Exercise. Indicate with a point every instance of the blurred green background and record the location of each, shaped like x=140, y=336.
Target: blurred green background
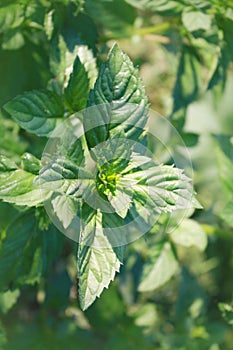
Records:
x=184, y=53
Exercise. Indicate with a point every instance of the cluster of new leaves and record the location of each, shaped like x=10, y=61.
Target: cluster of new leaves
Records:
x=125, y=182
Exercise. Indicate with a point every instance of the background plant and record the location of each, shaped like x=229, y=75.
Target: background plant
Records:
x=185, y=44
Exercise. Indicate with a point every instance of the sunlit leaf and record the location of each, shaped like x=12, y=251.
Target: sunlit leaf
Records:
x=195, y=20
x=97, y=262
x=77, y=90
x=189, y=233
x=160, y=267
x=122, y=99
x=17, y=185
x=8, y=299
x=11, y=16
x=37, y=111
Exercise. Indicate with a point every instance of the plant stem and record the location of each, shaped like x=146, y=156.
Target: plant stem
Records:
x=131, y=31
x=152, y=29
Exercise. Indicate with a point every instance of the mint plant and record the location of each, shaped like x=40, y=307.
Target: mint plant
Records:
x=130, y=184
x=82, y=152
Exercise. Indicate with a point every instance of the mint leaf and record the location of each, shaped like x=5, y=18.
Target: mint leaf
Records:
x=30, y=163
x=57, y=60
x=114, y=154
x=227, y=312
x=17, y=185
x=163, y=188
x=36, y=111
x=196, y=20
x=119, y=99
x=160, y=267
x=64, y=176
x=11, y=16
x=13, y=249
x=6, y=164
x=96, y=266
x=225, y=167
x=8, y=299
x=11, y=144
x=165, y=7
x=26, y=252
x=49, y=24
x=136, y=162
x=115, y=16
x=62, y=59
x=88, y=60
x=120, y=201
x=77, y=90
x=66, y=209
x=13, y=40
x=227, y=213
x=187, y=83
x=189, y=233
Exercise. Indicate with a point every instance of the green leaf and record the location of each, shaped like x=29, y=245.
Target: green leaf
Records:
x=77, y=90
x=225, y=167
x=116, y=16
x=30, y=163
x=227, y=312
x=187, y=83
x=71, y=147
x=13, y=40
x=8, y=299
x=88, y=60
x=32, y=198
x=227, y=213
x=49, y=24
x=63, y=175
x=79, y=4
x=36, y=111
x=189, y=233
x=96, y=265
x=160, y=267
x=119, y=99
x=11, y=145
x=63, y=170
x=57, y=60
x=165, y=7
x=62, y=61
x=217, y=82
x=11, y=17
x=35, y=12
x=113, y=155
x=26, y=252
x=137, y=161
x=225, y=24
x=58, y=175
x=17, y=185
x=120, y=201
x=13, y=249
x=196, y=20
x=163, y=188
x=6, y=164
x=66, y=209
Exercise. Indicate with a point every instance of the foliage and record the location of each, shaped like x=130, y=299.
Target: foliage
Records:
x=55, y=62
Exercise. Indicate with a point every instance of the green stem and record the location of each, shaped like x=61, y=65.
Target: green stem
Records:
x=151, y=30
x=131, y=31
